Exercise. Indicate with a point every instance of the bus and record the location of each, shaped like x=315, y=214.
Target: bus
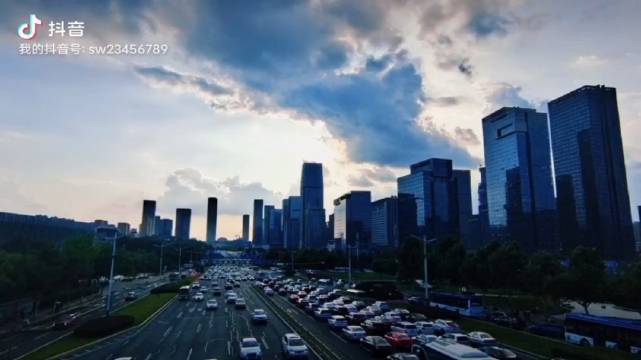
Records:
x=183, y=293
x=465, y=304
x=614, y=333
x=378, y=290
x=429, y=347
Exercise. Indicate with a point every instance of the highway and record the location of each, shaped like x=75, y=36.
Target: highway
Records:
x=17, y=344
x=186, y=330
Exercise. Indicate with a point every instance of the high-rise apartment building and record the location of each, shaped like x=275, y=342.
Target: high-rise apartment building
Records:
x=183, y=223
x=212, y=218
x=147, y=225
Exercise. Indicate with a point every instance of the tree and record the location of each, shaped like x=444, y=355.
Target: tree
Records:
x=410, y=262
x=506, y=266
x=585, y=280
x=541, y=268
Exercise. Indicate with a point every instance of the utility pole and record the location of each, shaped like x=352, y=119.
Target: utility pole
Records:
x=111, y=277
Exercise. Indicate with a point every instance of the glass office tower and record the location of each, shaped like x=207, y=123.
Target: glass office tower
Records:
x=257, y=228
x=518, y=175
x=212, y=218
x=245, y=227
x=183, y=222
x=590, y=175
x=292, y=220
x=311, y=191
x=147, y=225
x=352, y=220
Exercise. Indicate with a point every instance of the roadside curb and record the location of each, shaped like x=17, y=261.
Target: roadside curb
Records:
x=68, y=352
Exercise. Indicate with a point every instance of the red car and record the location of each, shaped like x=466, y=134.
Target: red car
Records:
x=399, y=340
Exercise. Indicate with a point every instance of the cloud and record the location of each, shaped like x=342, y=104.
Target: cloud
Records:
x=12, y=199
x=360, y=181
x=503, y=94
x=466, y=136
x=188, y=188
x=215, y=94
x=445, y=101
x=487, y=24
x=585, y=62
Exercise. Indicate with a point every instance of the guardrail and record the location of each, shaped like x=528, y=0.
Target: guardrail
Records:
x=320, y=349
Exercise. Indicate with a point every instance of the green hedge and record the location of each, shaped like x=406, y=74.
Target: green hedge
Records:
x=104, y=326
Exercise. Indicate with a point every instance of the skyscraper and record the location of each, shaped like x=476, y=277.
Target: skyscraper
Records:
x=590, y=175
x=147, y=226
x=393, y=221
x=434, y=186
x=353, y=220
x=212, y=218
x=483, y=219
x=257, y=229
x=275, y=240
x=311, y=192
x=183, y=222
x=292, y=220
x=463, y=185
x=246, y=227
x=166, y=228
x=123, y=228
x=518, y=174
x=157, y=225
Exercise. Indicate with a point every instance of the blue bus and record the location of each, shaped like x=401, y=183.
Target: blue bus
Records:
x=610, y=332
x=466, y=304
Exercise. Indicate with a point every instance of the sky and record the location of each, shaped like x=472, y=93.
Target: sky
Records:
x=249, y=90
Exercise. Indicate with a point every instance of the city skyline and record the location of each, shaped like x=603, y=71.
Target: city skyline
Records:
x=163, y=135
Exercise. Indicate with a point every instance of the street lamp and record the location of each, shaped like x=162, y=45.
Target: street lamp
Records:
x=425, y=278
x=111, y=276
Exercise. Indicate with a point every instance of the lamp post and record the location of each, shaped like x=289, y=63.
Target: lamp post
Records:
x=425, y=278
x=111, y=277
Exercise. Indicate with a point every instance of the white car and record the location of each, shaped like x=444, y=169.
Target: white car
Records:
x=259, y=316
x=240, y=303
x=480, y=338
x=425, y=327
x=354, y=333
x=212, y=304
x=446, y=326
x=269, y=291
x=457, y=338
x=337, y=322
x=250, y=349
x=199, y=296
x=294, y=346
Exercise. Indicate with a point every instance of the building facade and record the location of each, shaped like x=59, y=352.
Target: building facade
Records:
x=311, y=191
x=123, y=228
x=292, y=222
x=212, y=218
x=166, y=228
x=435, y=187
x=393, y=221
x=518, y=175
x=590, y=174
x=183, y=223
x=147, y=225
x=257, y=228
x=246, y=227
x=353, y=220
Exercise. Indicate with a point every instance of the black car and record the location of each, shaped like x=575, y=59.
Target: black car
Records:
x=373, y=327
x=376, y=345
x=498, y=352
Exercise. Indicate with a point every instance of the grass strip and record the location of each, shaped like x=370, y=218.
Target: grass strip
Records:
x=140, y=310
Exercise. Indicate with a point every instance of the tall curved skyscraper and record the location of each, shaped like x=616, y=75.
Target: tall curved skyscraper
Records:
x=311, y=191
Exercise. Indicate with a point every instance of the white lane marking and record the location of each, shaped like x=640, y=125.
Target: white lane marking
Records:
x=206, y=345
x=189, y=354
x=228, y=348
x=110, y=356
x=264, y=343
x=180, y=314
x=167, y=331
x=148, y=356
x=198, y=328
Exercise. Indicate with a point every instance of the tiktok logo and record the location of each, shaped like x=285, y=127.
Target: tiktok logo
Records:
x=29, y=29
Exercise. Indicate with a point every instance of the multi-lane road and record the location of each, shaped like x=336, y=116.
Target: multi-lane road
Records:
x=20, y=343
x=186, y=330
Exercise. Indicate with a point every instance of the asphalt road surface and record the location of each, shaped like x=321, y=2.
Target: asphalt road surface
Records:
x=186, y=330
x=17, y=344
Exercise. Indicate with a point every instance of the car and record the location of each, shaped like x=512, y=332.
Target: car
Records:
x=425, y=327
x=375, y=327
x=480, y=338
x=457, y=338
x=212, y=304
x=381, y=305
x=216, y=291
x=240, y=303
x=498, y=352
x=231, y=298
x=199, y=296
x=204, y=289
x=405, y=327
x=402, y=356
x=353, y=333
x=131, y=296
x=259, y=316
x=294, y=346
x=399, y=340
x=322, y=313
x=356, y=318
x=337, y=322
x=269, y=291
x=250, y=349
x=376, y=345
x=293, y=298
x=66, y=321
x=442, y=326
